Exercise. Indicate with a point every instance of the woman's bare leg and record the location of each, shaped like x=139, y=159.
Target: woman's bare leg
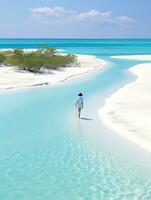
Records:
x=79, y=112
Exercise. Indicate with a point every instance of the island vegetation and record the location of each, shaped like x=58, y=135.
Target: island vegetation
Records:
x=36, y=61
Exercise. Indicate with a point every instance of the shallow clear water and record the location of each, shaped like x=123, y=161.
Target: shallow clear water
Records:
x=47, y=153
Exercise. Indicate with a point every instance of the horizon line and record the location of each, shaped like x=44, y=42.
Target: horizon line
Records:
x=65, y=38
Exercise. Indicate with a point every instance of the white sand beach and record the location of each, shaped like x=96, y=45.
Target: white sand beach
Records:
x=11, y=77
x=128, y=111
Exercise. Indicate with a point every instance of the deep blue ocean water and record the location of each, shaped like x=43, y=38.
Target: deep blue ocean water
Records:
x=47, y=153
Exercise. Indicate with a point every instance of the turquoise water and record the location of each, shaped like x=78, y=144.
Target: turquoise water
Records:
x=47, y=153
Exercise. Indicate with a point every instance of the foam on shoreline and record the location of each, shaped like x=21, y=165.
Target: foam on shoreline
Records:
x=134, y=57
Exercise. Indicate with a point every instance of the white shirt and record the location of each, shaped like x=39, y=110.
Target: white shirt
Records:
x=80, y=102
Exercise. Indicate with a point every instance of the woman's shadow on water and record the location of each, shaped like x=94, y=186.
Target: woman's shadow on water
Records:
x=85, y=118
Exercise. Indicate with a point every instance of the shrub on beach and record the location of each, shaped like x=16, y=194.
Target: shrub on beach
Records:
x=46, y=58
x=18, y=52
x=2, y=58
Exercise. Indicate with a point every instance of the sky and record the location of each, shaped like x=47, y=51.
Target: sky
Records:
x=75, y=19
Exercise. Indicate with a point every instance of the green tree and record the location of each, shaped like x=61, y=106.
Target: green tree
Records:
x=42, y=58
x=31, y=62
x=2, y=58
x=18, y=52
x=50, y=51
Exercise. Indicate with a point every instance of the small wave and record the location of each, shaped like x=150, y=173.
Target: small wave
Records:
x=28, y=50
x=134, y=57
x=60, y=50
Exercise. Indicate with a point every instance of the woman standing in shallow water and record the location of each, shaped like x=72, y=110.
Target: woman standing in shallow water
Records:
x=79, y=104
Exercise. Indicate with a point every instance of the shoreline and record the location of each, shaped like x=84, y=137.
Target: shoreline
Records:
x=13, y=78
x=128, y=111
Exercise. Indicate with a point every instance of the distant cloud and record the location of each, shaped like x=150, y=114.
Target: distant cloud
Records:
x=92, y=14
x=126, y=20
x=48, y=11
x=49, y=14
x=56, y=11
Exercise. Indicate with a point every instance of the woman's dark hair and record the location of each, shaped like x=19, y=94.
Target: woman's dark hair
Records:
x=80, y=94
